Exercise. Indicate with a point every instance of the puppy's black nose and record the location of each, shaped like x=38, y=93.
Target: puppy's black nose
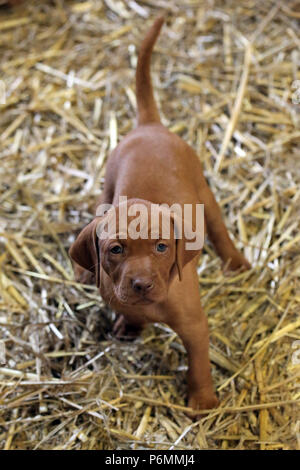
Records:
x=142, y=286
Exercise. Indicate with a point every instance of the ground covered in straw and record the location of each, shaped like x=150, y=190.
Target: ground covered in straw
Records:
x=225, y=77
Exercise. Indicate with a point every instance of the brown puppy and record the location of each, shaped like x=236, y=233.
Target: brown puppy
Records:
x=155, y=280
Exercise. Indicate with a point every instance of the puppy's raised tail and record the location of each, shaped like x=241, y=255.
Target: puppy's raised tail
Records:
x=146, y=106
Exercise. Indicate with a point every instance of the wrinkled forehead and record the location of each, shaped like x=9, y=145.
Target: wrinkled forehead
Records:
x=137, y=221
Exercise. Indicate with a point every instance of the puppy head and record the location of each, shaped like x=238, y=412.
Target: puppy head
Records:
x=140, y=257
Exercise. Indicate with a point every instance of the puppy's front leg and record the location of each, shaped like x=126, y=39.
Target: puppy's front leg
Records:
x=127, y=329
x=195, y=336
x=187, y=318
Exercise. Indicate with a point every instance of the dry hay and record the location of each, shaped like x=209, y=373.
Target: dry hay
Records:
x=225, y=74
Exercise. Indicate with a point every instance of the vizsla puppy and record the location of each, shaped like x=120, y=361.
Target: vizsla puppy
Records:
x=155, y=280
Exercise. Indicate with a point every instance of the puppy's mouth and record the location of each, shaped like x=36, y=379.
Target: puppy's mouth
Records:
x=143, y=301
x=131, y=300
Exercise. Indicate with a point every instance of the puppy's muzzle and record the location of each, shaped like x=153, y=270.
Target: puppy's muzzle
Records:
x=142, y=286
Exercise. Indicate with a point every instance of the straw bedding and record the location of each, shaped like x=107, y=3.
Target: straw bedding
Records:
x=225, y=76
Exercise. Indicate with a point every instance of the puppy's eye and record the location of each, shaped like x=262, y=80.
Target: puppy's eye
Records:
x=161, y=247
x=117, y=250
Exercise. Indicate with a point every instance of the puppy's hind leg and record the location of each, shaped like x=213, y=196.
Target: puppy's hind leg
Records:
x=218, y=234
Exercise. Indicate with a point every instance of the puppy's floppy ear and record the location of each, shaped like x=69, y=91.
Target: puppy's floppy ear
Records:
x=85, y=250
x=183, y=255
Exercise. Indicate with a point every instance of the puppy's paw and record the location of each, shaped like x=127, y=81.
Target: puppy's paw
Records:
x=124, y=330
x=202, y=401
x=237, y=262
